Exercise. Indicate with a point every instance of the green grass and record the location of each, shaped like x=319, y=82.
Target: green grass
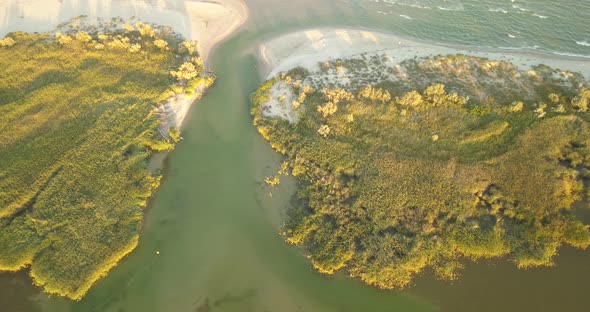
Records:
x=428, y=177
x=76, y=132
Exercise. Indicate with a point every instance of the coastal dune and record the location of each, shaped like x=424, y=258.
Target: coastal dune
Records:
x=308, y=47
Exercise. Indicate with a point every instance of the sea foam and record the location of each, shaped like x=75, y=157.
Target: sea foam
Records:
x=540, y=16
x=499, y=10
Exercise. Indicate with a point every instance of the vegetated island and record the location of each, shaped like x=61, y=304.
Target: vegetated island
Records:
x=81, y=111
x=420, y=164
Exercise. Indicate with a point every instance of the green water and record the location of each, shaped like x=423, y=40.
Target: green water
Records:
x=216, y=226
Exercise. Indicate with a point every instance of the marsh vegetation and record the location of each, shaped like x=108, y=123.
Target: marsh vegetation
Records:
x=422, y=164
x=78, y=124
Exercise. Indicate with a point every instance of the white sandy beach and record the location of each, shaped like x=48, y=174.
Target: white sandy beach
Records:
x=307, y=48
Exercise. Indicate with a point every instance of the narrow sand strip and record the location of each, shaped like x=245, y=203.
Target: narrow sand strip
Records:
x=307, y=48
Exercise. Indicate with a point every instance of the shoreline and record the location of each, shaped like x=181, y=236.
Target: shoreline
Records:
x=307, y=47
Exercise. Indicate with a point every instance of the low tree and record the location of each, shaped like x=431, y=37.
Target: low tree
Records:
x=581, y=101
x=145, y=29
x=185, y=72
x=63, y=39
x=540, y=110
x=128, y=28
x=410, y=99
x=190, y=47
x=83, y=37
x=516, y=107
x=161, y=44
x=328, y=109
x=337, y=95
x=174, y=135
x=375, y=94
x=7, y=42
x=324, y=130
x=119, y=43
x=134, y=48
x=554, y=98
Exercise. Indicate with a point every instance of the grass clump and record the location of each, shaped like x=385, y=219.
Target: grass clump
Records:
x=77, y=127
x=414, y=175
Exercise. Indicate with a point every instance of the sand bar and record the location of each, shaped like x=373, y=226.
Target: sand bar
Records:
x=308, y=47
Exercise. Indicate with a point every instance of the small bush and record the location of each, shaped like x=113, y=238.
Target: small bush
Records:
x=7, y=42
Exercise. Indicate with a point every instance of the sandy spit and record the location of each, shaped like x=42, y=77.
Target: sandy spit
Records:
x=308, y=47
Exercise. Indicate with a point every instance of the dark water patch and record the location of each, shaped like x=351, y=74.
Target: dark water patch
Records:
x=498, y=285
x=15, y=285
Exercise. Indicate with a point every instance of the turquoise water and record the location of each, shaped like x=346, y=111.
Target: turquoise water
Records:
x=216, y=226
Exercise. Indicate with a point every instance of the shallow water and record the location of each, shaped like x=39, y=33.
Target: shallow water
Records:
x=216, y=226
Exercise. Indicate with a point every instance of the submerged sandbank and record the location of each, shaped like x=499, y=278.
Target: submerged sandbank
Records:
x=308, y=47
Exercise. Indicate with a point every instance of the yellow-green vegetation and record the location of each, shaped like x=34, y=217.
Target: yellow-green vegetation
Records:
x=77, y=127
x=423, y=165
x=276, y=179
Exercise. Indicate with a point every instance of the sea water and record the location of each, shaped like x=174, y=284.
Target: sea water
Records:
x=559, y=27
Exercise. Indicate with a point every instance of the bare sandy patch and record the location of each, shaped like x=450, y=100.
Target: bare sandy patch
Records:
x=280, y=103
